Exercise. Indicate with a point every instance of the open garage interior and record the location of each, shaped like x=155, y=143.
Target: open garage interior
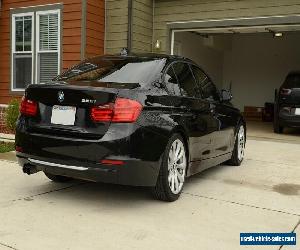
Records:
x=250, y=61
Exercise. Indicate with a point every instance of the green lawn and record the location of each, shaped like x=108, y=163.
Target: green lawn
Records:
x=6, y=147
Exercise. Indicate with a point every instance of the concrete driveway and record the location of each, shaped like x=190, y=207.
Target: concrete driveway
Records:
x=263, y=195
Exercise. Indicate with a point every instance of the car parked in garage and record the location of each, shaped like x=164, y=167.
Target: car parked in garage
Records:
x=287, y=103
x=143, y=120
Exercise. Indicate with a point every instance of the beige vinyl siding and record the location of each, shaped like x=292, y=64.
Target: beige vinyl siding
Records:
x=116, y=25
x=167, y=11
x=142, y=25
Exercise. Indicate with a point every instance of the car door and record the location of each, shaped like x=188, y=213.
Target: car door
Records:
x=191, y=112
x=223, y=113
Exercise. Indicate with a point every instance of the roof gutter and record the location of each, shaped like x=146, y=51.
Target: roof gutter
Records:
x=129, y=32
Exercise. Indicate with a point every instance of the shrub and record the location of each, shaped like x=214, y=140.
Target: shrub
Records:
x=6, y=147
x=12, y=113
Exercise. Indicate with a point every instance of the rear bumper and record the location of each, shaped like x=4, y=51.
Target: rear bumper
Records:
x=292, y=121
x=139, y=148
x=289, y=123
x=133, y=172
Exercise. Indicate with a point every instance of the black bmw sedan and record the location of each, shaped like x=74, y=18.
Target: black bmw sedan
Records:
x=143, y=120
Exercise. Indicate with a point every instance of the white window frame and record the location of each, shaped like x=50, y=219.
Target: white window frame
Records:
x=13, y=47
x=35, y=45
x=37, y=48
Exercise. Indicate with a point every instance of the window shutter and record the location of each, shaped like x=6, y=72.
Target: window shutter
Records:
x=48, y=47
x=49, y=32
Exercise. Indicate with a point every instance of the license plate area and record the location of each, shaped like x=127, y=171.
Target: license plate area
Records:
x=297, y=111
x=63, y=115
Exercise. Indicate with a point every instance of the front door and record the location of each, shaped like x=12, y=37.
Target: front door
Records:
x=193, y=113
x=222, y=137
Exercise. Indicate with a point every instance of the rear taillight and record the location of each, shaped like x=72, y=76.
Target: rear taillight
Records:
x=123, y=110
x=102, y=113
x=28, y=107
x=285, y=91
x=126, y=110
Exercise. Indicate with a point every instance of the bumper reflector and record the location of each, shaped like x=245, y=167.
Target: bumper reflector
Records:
x=19, y=149
x=112, y=162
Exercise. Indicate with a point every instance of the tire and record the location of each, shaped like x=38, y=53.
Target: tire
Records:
x=58, y=178
x=239, y=147
x=172, y=171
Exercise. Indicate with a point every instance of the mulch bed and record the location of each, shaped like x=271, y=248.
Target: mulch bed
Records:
x=6, y=130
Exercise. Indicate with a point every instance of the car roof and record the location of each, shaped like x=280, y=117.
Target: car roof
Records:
x=141, y=57
x=295, y=72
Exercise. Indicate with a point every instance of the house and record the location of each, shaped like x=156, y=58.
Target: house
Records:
x=39, y=39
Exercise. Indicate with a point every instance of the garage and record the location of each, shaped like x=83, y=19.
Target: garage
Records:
x=251, y=61
x=248, y=46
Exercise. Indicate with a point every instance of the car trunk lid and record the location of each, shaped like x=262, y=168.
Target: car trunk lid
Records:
x=59, y=100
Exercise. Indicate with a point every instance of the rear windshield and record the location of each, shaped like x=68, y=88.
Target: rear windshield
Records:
x=292, y=82
x=129, y=70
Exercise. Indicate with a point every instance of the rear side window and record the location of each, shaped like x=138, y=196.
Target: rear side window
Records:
x=292, y=82
x=208, y=89
x=171, y=82
x=188, y=86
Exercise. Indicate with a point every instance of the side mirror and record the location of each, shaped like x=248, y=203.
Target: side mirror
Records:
x=226, y=95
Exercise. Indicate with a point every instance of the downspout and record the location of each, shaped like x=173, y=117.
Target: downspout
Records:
x=153, y=15
x=83, y=30
x=129, y=33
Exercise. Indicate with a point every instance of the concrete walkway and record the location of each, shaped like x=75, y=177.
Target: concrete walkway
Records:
x=263, y=195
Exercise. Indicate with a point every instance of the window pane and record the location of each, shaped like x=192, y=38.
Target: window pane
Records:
x=27, y=34
x=48, y=66
x=171, y=82
x=19, y=35
x=109, y=70
x=292, y=81
x=186, y=80
x=208, y=89
x=135, y=72
x=199, y=75
x=48, y=32
x=22, y=71
x=23, y=31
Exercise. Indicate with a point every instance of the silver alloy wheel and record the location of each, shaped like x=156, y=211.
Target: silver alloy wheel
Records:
x=176, y=166
x=241, y=143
